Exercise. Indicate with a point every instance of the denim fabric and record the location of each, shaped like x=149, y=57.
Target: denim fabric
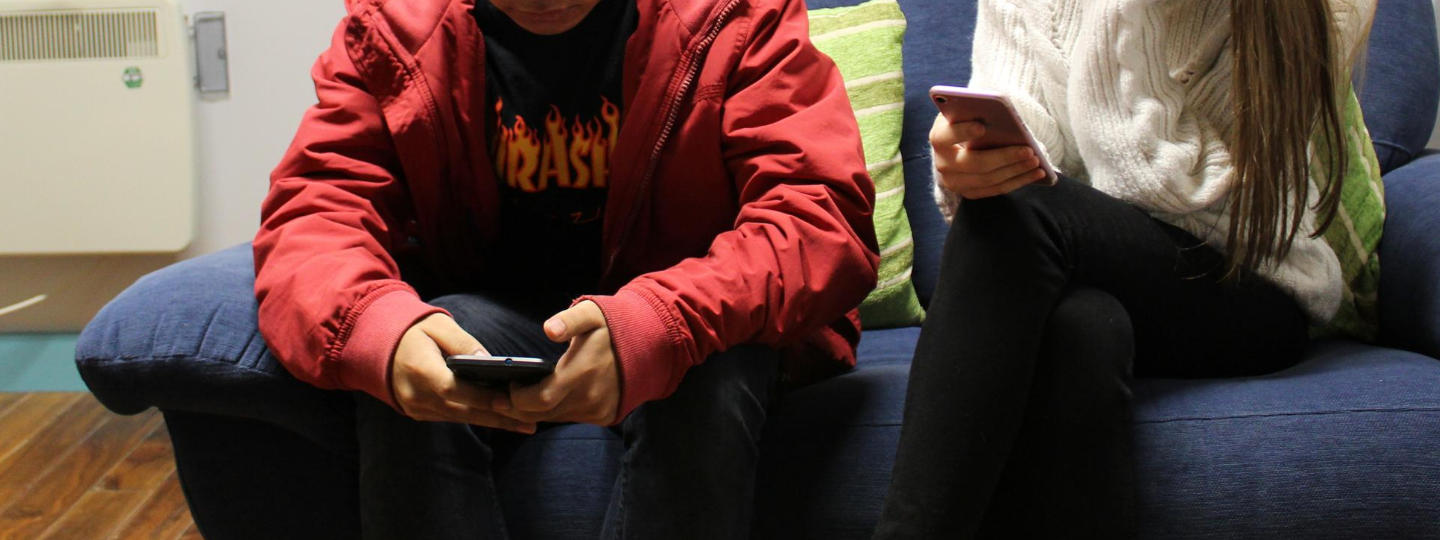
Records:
x=184, y=338
x=828, y=452
x=1410, y=258
x=1401, y=85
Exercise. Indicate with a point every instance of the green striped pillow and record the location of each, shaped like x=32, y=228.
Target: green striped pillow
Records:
x=1355, y=232
x=865, y=41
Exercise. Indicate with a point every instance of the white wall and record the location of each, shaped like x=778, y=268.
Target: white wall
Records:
x=272, y=44
x=1435, y=138
x=240, y=137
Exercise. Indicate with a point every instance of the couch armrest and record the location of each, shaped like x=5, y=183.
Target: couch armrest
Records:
x=1410, y=258
x=186, y=339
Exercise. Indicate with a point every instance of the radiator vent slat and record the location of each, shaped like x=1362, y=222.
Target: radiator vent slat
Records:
x=73, y=35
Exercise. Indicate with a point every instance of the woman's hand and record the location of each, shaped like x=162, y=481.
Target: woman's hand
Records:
x=977, y=174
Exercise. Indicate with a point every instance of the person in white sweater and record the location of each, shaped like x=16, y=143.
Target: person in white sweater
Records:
x=1182, y=241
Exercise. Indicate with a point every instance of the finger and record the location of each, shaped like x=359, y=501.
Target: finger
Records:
x=944, y=135
x=460, y=413
x=451, y=338
x=1017, y=182
x=579, y=319
x=473, y=395
x=1009, y=172
x=532, y=417
x=543, y=396
x=987, y=161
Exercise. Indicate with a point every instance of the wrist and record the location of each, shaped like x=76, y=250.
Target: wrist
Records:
x=365, y=362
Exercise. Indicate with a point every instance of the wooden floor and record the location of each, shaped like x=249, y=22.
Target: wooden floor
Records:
x=71, y=470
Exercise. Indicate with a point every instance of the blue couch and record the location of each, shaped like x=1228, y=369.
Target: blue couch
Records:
x=1345, y=445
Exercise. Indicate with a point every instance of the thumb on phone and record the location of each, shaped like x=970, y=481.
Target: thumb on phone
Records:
x=452, y=339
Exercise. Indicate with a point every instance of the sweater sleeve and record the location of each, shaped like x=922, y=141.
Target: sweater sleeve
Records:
x=1353, y=18
x=1012, y=56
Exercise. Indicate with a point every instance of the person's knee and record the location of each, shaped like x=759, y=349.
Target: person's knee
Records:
x=1089, y=347
x=726, y=396
x=1026, y=216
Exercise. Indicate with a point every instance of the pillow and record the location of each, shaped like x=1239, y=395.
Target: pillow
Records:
x=1355, y=232
x=865, y=41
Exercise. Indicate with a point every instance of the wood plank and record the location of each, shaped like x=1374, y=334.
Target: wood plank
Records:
x=42, y=448
x=9, y=399
x=192, y=534
x=74, y=474
x=116, y=497
x=165, y=516
x=98, y=514
x=148, y=464
x=27, y=417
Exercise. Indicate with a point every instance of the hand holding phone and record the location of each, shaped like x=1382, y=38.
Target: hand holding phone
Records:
x=424, y=389
x=982, y=146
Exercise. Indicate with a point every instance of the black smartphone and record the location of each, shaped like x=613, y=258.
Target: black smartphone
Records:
x=498, y=370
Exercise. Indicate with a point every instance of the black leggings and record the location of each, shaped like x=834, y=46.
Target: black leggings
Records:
x=1017, y=415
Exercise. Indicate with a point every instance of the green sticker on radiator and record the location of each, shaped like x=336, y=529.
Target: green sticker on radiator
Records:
x=133, y=78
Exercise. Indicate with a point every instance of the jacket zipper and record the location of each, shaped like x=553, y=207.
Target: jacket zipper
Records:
x=690, y=68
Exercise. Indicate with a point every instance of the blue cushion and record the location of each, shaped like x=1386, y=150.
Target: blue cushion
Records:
x=1346, y=445
x=185, y=338
x=1401, y=86
x=1410, y=258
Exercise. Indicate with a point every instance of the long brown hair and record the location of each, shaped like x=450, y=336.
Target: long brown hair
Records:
x=1287, y=82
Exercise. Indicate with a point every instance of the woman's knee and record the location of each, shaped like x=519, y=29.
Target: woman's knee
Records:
x=1089, y=343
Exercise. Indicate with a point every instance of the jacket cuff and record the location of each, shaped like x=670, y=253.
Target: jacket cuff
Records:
x=646, y=345
x=364, y=362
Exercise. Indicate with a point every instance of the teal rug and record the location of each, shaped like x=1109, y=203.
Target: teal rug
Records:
x=39, y=363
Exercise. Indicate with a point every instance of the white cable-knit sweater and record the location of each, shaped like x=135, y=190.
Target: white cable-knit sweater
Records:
x=1133, y=97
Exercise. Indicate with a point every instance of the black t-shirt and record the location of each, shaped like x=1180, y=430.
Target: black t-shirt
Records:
x=553, y=121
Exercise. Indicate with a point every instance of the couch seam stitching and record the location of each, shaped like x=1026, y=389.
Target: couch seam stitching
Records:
x=1280, y=415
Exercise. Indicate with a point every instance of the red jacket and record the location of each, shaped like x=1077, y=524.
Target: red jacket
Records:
x=738, y=208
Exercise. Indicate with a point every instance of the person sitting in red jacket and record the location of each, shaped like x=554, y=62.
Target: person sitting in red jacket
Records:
x=682, y=182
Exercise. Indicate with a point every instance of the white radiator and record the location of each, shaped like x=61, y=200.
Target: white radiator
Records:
x=96, y=123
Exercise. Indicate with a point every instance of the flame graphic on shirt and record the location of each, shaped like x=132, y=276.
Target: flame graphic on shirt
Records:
x=576, y=156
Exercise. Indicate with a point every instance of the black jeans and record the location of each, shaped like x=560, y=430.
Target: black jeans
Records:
x=688, y=468
x=1017, y=413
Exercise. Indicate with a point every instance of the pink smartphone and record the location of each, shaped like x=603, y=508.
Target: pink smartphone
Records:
x=1003, y=126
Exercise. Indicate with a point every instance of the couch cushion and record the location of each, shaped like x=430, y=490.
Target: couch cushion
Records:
x=185, y=338
x=1401, y=86
x=1410, y=256
x=1346, y=445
